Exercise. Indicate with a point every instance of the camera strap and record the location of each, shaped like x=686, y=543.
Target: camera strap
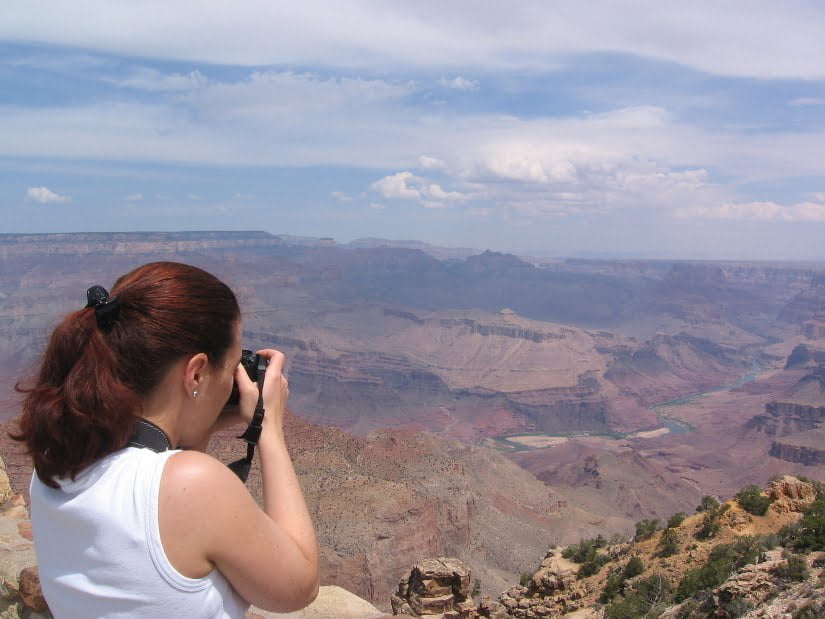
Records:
x=252, y=435
x=149, y=436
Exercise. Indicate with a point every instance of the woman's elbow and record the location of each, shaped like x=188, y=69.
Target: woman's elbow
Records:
x=312, y=592
x=314, y=583
x=302, y=592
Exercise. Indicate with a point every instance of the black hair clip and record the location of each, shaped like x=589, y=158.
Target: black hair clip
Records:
x=106, y=310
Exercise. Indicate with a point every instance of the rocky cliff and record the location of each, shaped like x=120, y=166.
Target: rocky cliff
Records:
x=382, y=502
x=783, y=418
x=807, y=304
x=801, y=454
x=662, y=573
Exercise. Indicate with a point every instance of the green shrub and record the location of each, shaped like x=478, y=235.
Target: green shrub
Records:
x=634, y=567
x=789, y=534
x=750, y=499
x=794, y=568
x=668, y=543
x=770, y=541
x=676, y=519
x=737, y=607
x=710, y=526
x=723, y=560
x=707, y=503
x=585, y=550
x=525, y=579
x=810, y=610
x=809, y=533
x=654, y=589
x=615, y=584
x=746, y=549
x=612, y=588
x=588, y=568
x=645, y=529
x=710, y=522
x=632, y=607
x=648, y=598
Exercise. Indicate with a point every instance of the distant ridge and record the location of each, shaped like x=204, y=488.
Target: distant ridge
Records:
x=441, y=253
x=56, y=237
x=131, y=243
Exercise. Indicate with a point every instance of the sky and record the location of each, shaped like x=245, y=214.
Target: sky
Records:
x=648, y=129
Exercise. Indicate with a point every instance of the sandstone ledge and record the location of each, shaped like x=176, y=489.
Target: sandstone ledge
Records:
x=332, y=602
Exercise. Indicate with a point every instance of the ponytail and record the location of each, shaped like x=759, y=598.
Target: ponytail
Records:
x=79, y=408
x=92, y=380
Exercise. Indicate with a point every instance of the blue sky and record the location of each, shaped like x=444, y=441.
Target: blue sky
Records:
x=648, y=129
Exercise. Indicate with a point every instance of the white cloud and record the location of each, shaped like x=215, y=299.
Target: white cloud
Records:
x=722, y=38
x=266, y=118
x=459, y=83
x=133, y=197
x=431, y=163
x=377, y=207
x=44, y=195
x=396, y=186
x=341, y=196
x=152, y=80
x=808, y=101
x=405, y=185
x=640, y=156
x=760, y=211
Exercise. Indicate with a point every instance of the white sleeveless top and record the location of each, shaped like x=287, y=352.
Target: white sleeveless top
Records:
x=99, y=551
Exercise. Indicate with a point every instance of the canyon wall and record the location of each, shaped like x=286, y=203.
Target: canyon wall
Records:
x=800, y=454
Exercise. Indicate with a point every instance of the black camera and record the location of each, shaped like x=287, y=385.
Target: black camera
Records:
x=255, y=366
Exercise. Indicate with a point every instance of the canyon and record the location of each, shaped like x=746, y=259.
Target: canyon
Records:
x=448, y=402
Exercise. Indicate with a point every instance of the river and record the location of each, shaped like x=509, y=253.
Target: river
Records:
x=678, y=426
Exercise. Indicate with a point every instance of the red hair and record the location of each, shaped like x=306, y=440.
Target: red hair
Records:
x=91, y=383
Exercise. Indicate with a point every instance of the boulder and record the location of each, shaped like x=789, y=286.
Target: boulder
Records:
x=555, y=575
x=436, y=588
x=553, y=590
x=491, y=609
x=30, y=591
x=790, y=494
x=5, y=485
x=754, y=583
x=736, y=519
x=16, y=553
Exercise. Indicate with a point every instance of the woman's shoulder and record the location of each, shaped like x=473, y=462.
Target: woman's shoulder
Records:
x=197, y=504
x=194, y=483
x=196, y=468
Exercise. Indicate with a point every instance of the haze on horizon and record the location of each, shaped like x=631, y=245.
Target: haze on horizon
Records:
x=631, y=129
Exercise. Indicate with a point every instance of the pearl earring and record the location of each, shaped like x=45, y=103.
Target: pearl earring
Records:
x=195, y=393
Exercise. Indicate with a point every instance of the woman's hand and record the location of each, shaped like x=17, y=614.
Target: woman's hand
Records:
x=275, y=392
x=249, y=395
x=275, y=389
x=242, y=412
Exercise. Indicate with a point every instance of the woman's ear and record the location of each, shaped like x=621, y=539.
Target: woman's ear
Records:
x=195, y=373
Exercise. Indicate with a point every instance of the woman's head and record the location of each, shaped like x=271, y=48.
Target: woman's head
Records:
x=93, y=380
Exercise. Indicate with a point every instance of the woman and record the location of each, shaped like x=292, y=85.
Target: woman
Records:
x=122, y=531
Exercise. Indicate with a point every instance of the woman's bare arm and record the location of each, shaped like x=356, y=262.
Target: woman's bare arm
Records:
x=270, y=557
